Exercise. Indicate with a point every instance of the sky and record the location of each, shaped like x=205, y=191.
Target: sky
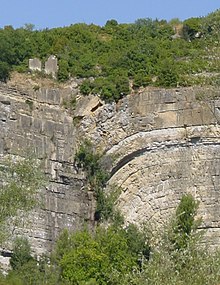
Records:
x=59, y=13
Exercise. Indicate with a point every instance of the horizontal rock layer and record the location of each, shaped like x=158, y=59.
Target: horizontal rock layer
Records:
x=161, y=143
x=37, y=123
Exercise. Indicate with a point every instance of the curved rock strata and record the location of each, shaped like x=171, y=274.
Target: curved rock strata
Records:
x=154, y=181
x=163, y=143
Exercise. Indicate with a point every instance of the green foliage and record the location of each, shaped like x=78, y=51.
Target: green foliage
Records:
x=167, y=75
x=202, y=268
x=27, y=270
x=185, y=225
x=63, y=72
x=111, y=23
x=115, y=54
x=105, y=207
x=86, y=87
x=91, y=161
x=191, y=27
x=122, y=255
x=100, y=256
x=34, y=272
x=4, y=71
x=21, y=253
x=141, y=79
x=84, y=261
x=138, y=241
x=20, y=182
x=111, y=88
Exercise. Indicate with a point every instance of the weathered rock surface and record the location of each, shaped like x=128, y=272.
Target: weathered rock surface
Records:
x=51, y=66
x=163, y=143
x=37, y=123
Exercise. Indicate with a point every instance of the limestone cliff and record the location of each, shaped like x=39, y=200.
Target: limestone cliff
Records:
x=163, y=143
x=37, y=122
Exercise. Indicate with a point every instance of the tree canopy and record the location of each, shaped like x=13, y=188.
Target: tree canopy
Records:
x=110, y=57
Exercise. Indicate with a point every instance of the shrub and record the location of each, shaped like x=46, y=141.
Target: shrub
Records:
x=86, y=87
x=63, y=71
x=168, y=74
x=185, y=225
x=19, y=192
x=4, y=71
x=21, y=253
x=98, y=256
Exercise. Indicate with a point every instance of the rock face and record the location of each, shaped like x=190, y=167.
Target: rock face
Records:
x=37, y=123
x=35, y=64
x=163, y=143
x=51, y=66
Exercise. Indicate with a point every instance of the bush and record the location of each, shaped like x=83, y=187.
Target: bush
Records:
x=19, y=193
x=168, y=74
x=185, y=225
x=63, y=71
x=141, y=79
x=100, y=256
x=88, y=159
x=123, y=255
x=4, y=71
x=86, y=87
x=21, y=253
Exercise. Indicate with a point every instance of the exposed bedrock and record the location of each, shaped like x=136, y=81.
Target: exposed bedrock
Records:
x=155, y=177
x=37, y=123
x=162, y=143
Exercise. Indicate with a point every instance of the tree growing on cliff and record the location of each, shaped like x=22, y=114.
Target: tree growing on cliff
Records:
x=185, y=224
x=19, y=185
x=21, y=253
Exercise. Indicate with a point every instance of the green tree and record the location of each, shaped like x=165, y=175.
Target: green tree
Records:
x=141, y=79
x=185, y=225
x=138, y=241
x=96, y=256
x=63, y=72
x=21, y=253
x=168, y=74
x=84, y=261
x=111, y=23
x=191, y=26
x=86, y=87
x=4, y=71
x=29, y=27
x=19, y=190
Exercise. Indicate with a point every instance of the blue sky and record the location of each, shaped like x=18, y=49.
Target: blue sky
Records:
x=59, y=13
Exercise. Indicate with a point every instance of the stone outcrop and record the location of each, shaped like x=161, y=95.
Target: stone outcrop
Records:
x=37, y=123
x=163, y=143
x=51, y=66
x=35, y=64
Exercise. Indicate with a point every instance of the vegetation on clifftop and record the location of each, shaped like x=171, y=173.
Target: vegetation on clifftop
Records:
x=114, y=57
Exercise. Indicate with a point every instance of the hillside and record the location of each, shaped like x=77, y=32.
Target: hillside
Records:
x=127, y=139
x=118, y=56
